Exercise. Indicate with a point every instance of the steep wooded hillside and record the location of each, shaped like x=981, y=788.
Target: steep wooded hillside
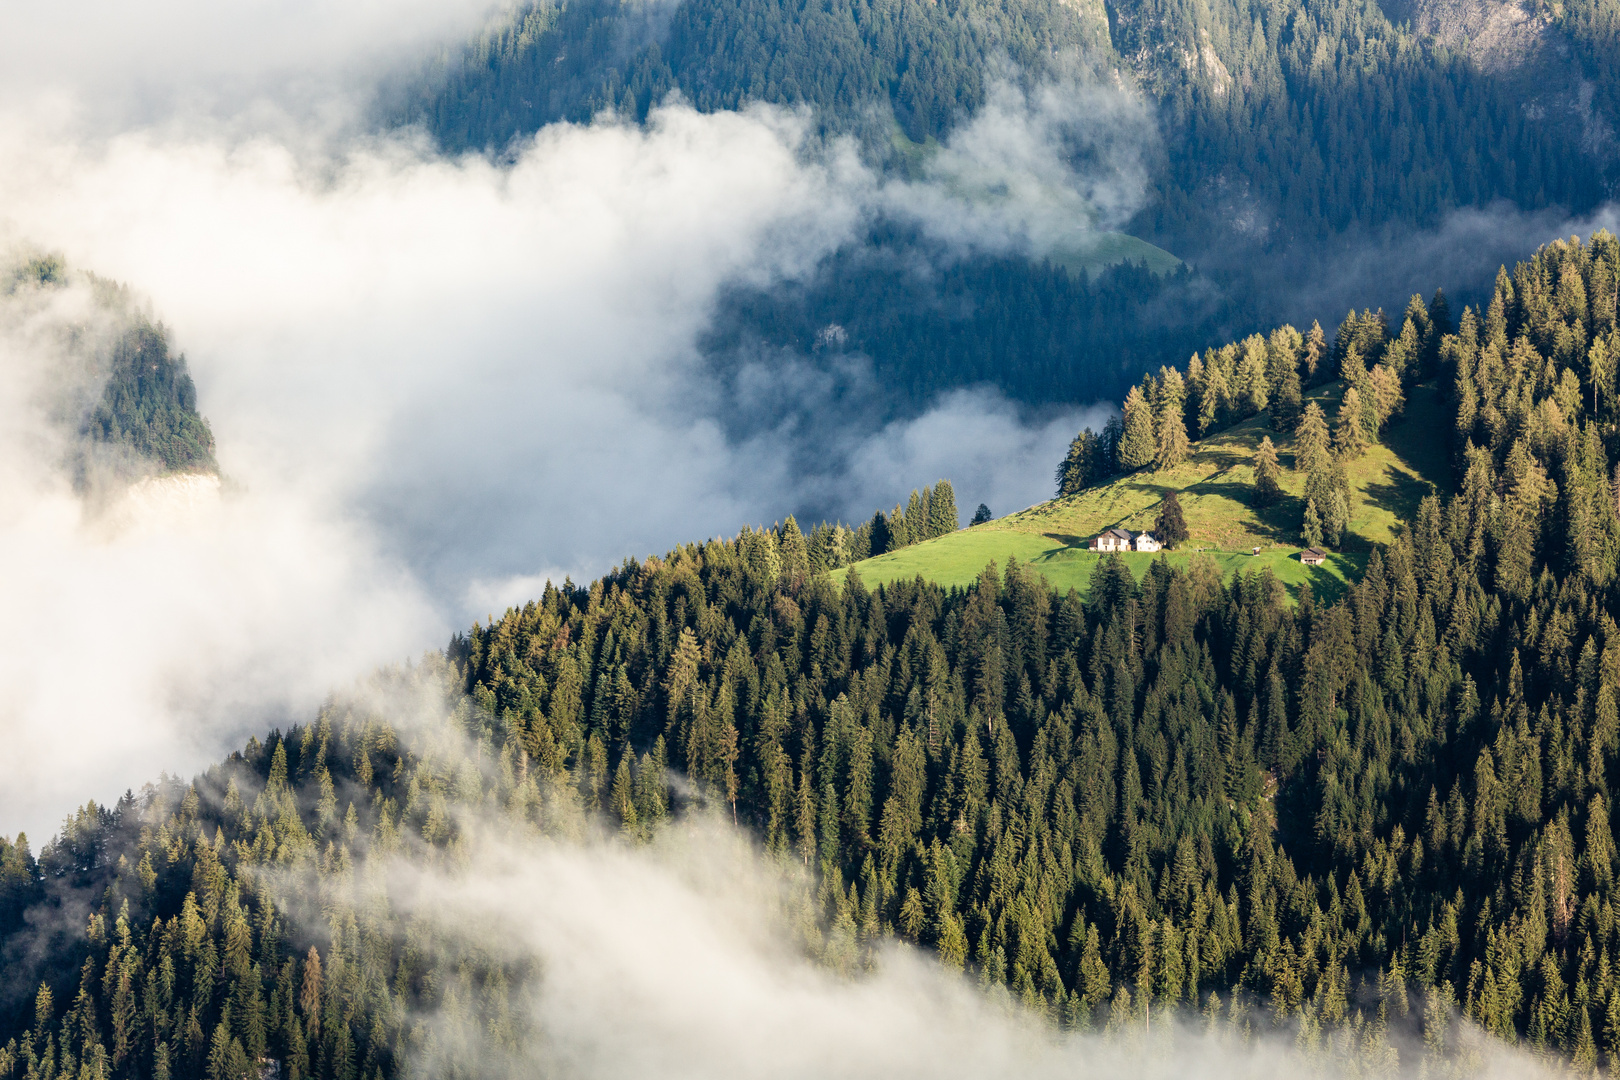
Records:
x=1174, y=792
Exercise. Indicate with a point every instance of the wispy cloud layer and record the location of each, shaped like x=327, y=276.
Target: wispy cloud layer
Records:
x=434, y=383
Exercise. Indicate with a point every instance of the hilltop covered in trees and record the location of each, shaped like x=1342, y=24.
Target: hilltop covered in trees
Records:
x=127, y=404
x=1532, y=382
x=1175, y=793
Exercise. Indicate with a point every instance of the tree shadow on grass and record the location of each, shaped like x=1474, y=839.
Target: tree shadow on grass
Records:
x=1327, y=586
x=1400, y=492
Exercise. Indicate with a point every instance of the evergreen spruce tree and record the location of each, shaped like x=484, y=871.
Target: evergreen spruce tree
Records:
x=1311, y=441
x=879, y=540
x=1266, y=471
x=942, y=511
x=1138, y=443
x=793, y=552
x=1171, y=526
x=1311, y=532
x=1349, y=432
x=1172, y=441
x=1074, y=471
x=1108, y=446
x=1282, y=377
x=981, y=515
x=1312, y=369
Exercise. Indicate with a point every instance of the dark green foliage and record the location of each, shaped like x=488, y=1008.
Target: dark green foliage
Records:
x=1334, y=119
x=1172, y=789
x=150, y=405
x=1032, y=329
x=1171, y=526
x=982, y=515
x=1090, y=460
x=929, y=513
x=922, y=64
x=1266, y=472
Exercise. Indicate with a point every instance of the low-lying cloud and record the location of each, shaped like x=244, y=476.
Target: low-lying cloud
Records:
x=434, y=384
x=1038, y=172
x=692, y=956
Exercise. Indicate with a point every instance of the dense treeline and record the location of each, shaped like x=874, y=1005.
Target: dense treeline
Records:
x=926, y=64
x=928, y=513
x=1332, y=116
x=149, y=405
x=1174, y=791
x=1309, y=120
x=1293, y=134
x=1036, y=331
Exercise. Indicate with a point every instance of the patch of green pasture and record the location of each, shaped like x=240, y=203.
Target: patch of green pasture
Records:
x=1215, y=485
x=959, y=558
x=1098, y=251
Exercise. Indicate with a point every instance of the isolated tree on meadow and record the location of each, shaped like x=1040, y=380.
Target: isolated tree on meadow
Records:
x=1311, y=440
x=1171, y=527
x=981, y=515
x=1266, y=472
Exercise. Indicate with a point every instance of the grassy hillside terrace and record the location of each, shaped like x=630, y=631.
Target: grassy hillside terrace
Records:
x=1214, y=485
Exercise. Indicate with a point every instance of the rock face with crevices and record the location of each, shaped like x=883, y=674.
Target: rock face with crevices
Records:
x=1500, y=36
x=1520, y=43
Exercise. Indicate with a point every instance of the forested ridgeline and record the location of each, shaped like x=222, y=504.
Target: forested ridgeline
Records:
x=128, y=404
x=1534, y=396
x=1177, y=793
x=1291, y=120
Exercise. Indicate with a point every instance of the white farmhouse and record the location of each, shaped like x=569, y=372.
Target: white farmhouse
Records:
x=1146, y=541
x=1115, y=539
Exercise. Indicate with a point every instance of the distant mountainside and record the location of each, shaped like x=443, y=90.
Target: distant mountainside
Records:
x=1294, y=135
x=1306, y=118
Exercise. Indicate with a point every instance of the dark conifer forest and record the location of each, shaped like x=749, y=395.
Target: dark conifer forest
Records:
x=149, y=406
x=1177, y=793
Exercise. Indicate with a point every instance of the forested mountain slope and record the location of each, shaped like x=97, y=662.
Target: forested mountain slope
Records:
x=1175, y=792
x=1301, y=120
x=1292, y=137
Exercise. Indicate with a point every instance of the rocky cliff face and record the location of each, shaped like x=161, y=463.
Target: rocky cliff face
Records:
x=1520, y=43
